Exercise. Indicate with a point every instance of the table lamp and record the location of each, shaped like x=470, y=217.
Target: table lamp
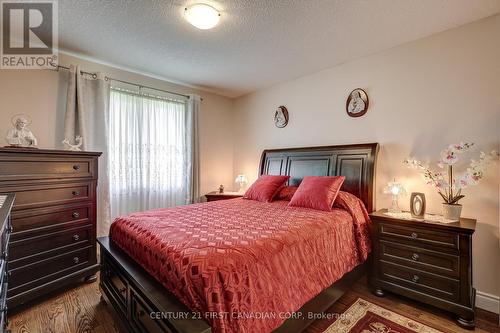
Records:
x=395, y=189
x=241, y=180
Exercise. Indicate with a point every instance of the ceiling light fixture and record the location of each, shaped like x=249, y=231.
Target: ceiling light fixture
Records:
x=202, y=16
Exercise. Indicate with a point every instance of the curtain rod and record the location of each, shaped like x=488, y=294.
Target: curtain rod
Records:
x=94, y=76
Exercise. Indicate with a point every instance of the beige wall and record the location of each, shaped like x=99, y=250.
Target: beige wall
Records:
x=41, y=94
x=423, y=96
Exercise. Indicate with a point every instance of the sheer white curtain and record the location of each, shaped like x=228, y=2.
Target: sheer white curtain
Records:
x=149, y=152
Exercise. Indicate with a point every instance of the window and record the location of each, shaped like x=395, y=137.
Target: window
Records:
x=148, y=152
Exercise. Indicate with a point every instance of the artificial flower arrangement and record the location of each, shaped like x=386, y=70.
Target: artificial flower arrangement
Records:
x=448, y=185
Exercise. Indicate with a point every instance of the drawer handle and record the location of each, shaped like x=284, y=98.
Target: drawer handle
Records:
x=76, y=193
x=9, y=228
x=414, y=235
x=76, y=167
x=5, y=255
x=415, y=256
x=415, y=278
x=76, y=260
x=76, y=238
x=76, y=215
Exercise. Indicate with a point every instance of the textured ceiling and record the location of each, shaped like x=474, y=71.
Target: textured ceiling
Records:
x=258, y=42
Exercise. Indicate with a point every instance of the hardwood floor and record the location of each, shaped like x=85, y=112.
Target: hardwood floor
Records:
x=80, y=310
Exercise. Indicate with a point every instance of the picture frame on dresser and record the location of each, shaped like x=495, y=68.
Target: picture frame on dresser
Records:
x=53, y=241
x=427, y=261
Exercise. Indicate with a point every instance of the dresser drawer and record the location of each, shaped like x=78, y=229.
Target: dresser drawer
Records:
x=430, y=261
x=419, y=236
x=24, y=168
x=44, y=271
x=27, y=223
x=3, y=304
x=141, y=316
x=116, y=285
x=54, y=242
x=41, y=196
x=430, y=284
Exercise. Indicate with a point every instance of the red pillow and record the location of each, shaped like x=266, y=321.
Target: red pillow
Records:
x=286, y=193
x=265, y=188
x=317, y=192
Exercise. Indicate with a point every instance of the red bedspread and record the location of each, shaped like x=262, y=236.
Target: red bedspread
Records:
x=246, y=264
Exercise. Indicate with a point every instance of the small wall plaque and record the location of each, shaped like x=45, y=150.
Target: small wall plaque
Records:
x=357, y=103
x=281, y=117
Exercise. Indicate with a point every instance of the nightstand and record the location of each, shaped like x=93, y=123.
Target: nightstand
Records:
x=215, y=195
x=427, y=261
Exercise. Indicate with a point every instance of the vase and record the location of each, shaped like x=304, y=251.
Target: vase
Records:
x=452, y=211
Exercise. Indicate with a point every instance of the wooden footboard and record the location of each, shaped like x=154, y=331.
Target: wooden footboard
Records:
x=144, y=305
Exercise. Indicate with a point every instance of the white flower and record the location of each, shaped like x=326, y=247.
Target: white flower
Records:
x=449, y=157
x=461, y=147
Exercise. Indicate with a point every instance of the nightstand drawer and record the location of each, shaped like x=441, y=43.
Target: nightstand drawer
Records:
x=430, y=261
x=415, y=236
x=430, y=284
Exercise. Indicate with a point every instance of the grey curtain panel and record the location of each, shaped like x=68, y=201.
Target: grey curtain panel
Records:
x=192, y=124
x=87, y=115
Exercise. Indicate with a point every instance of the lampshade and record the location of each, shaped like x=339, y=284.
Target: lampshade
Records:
x=395, y=189
x=202, y=16
x=241, y=179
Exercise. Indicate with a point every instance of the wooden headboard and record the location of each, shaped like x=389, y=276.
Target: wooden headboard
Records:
x=356, y=162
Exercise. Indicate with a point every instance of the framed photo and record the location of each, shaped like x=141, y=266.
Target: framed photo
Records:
x=417, y=205
x=281, y=117
x=357, y=103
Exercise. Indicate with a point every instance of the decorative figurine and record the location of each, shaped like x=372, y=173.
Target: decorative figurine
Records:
x=417, y=205
x=20, y=135
x=77, y=147
x=221, y=188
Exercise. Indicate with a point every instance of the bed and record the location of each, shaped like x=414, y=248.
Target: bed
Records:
x=241, y=265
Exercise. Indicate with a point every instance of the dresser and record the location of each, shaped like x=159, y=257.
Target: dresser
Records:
x=6, y=203
x=53, y=240
x=427, y=261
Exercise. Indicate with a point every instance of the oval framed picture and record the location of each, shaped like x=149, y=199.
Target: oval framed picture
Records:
x=417, y=205
x=357, y=103
x=281, y=117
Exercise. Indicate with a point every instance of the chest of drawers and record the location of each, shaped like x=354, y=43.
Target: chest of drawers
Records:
x=53, y=241
x=6, y=202
x=429, y=262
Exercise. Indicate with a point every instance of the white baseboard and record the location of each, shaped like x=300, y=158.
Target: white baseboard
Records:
x=487, y=302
